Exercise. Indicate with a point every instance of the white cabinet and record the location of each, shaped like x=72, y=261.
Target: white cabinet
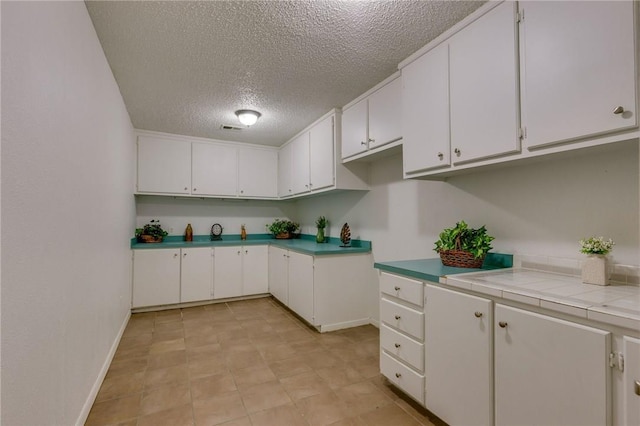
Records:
x=549, y=371
x=321, y=154
x=459, y=353
x=156, y=277
x=402, y=333
x=374, y=121
x=300, y=273
x=575, y=75
x=279, y=274
x=285, y=188
x=631, y=381
x=240, y=271
x=164, y=166
x=215, y=170
x=196, y=274
x=257, y=173
x=425, y=112
x=300, y=164
x=483, y=72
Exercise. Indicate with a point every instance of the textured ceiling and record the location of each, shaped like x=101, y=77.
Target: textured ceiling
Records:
x=185, y=67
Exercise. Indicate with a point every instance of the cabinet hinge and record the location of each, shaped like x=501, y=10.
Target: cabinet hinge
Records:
x=522, y=133
x=520, y=16
x=616, y=359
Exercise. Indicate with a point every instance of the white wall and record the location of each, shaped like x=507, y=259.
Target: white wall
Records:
x=67, y=212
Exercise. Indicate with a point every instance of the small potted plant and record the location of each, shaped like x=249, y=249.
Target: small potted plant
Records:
x=463, y=247
x=321, y=223
x=283, y=228
x=594, y=268
x=152, y=232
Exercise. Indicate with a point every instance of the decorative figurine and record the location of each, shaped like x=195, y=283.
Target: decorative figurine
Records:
x=345, y=235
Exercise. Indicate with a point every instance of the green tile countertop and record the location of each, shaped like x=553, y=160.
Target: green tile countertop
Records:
x=304, y=244
x=433, y=269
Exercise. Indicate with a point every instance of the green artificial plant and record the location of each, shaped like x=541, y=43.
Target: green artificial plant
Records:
x=461, y=237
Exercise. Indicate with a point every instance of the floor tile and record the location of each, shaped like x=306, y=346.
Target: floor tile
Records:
x=167, y=359
x=279, y=416
x=289, y=367
x=263, y=396
x=207, y=367
x=119, y=386
x=164, y=397
x=114, y=410
x=389, y=414
x=361, y=397
x=177, y=416
x=304, y=385
x=218, y=409
x=339, y=376
x=250, y=376
x=210, y=386
x=166, y=376
x=322, y=409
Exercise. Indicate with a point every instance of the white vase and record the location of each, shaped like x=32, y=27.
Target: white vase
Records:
x=594, y=270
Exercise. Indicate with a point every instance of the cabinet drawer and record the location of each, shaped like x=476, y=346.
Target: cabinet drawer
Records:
x=403, y=318
x=402, y=347
x=402, y=288
x=403, y=377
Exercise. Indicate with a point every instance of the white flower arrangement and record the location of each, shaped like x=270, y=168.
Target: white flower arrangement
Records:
x=593, y=245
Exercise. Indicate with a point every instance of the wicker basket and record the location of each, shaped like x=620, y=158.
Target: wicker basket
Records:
x=284, y=236
x=149, y=239
x=460, y=259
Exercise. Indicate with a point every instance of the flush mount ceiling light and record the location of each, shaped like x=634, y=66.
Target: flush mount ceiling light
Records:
x=248, y=117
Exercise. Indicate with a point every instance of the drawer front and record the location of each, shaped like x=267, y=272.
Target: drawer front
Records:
x=403, y=377
x=403, y=288
x=403, y=318
x=408, y=350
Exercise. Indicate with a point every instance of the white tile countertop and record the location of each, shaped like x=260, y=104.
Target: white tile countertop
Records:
x=617, y=305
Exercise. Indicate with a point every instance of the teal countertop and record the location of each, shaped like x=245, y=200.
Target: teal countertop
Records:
x=304, y=244
x=433, y=269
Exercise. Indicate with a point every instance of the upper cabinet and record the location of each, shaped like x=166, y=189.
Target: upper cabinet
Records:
x=483, y=70
x=164, y=166
x=373, y=121
x=578, y=70
x=170, y=165
x=308, y=163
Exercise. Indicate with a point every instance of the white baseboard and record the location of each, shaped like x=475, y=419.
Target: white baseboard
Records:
x=84, y=414
x=374, y=322
x=342, y=325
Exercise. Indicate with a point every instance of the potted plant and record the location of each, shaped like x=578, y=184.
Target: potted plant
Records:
x=594, y=268
x=283, y=228
x=152, y=232
x=321, y=223
x=462, y=246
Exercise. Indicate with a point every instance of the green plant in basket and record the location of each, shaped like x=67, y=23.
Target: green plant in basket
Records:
x=153, y=230
x=461, y=238
x=283, y=226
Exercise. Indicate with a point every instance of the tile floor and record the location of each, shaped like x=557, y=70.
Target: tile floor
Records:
x=247, y=363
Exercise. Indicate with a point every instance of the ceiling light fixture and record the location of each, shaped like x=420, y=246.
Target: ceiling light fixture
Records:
x=248, y=117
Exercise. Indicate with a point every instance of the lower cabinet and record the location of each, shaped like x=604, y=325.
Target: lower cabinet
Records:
x=631, y=381
x=402, y=333
x=326, y=291
x=166, y=276
x=240, y=271
x=459, y=353
x=549, y=371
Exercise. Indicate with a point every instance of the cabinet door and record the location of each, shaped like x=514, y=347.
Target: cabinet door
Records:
x=575, y=75
x=425, y=112
x=321, y=158
x=549, y=371
x=164, y=166
x=227, y=272
x=385, y=114
x=301, y=285
x=215, y=169
x=156, y=277
x=255, y=270
x=278, y=274
x=285, y=188
x=458, y=353
x=631, y=381
x=354, y=129
x=196, y=274
x=257, y=172
x=300, y=164
x=483, y=87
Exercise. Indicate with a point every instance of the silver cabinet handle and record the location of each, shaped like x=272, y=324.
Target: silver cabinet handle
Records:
x=457, y=152
x=397, y=345
x=246, y=251
x=372, y=140
x=397, y=317
x=440, y=155
x=184, y=254
x=503, y=324
x=186, y=188
x=175, y=254
x=618, y=110
x=397, y=288
x=636, y=387
x=398, y=375
x=239, y=251
x=478, y=314
x=363, y=143
x=242, y=191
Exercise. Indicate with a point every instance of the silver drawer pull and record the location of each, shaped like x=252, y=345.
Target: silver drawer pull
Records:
x=636, y=387
x=397, y=317
x=478, y=314
x=397, y=288
x=397, y=345
x=618, y=110
x=398, y=375
x=503, y=324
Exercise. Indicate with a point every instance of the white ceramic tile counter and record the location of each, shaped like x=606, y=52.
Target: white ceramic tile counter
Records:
x=617, y=305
